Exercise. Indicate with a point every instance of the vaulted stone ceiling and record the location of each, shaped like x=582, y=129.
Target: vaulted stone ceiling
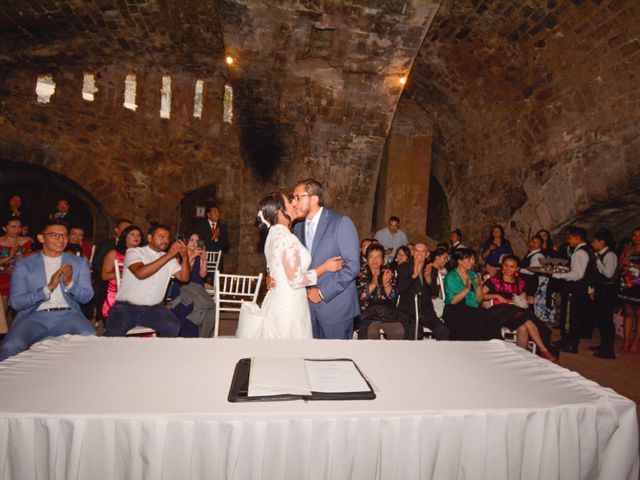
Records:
x=527, y=99
x=535, y=107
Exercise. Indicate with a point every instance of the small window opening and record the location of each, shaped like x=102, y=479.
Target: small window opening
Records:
x=89, y=87
x=227, y=114
x=130, y=92
x=165, y=97
x=45, y=88
x=197, y=100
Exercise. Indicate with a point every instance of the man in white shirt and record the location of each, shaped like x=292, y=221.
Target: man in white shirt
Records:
x=605, y=291
x=47, y=289
x=391, y=238
x=147, y=271
x=576, y=313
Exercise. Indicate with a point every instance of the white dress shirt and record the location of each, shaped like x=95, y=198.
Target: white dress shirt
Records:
x=535, y=256
x=607, y=262
x=149, y=291
x=579, y=262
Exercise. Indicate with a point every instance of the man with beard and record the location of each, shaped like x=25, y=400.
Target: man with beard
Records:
x=333, y=302
x=147, y=271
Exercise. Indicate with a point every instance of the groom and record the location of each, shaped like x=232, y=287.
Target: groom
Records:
x=334, y=301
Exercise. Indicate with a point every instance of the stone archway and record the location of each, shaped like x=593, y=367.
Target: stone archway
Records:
x=193, y=205
x=40, y=188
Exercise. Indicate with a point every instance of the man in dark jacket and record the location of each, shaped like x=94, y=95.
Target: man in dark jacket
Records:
x=214, y=233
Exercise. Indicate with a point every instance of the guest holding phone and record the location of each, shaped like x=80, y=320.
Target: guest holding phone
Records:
x=190, y=296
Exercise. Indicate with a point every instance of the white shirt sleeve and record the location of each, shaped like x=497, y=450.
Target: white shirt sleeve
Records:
x=607, y=265
x=579, y=262
x=132, y=256
x=176, y=266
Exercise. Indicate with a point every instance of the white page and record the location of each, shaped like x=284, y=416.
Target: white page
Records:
x=278, y=376
x=334, y=376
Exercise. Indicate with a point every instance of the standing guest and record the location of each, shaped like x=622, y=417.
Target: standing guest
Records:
x=108, y=244
x=63, y=212
x=402, y=256
x=391, y=238
x=456, y=240
x=214, y=233
x=508, y=293
x=629, y=293
x=377, y=292
x=76, y=237
x=364, y=244
x=46, y=290
x=147, y=271
x=543, y=301
x=131, y=237
x=605, y=290
x=12, y=246
x=494, y=248
x=575, y=316
x=415, y=278
x=547, y=248
x=16, y=210
x=198, y=264
x=334, y=300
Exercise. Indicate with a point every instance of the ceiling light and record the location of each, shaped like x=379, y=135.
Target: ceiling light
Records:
x=403, y=80
x=229, y=60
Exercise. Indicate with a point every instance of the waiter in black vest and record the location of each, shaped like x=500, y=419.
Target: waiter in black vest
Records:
x=576, y=313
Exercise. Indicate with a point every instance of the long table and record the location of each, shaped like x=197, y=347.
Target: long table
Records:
x=151, y=408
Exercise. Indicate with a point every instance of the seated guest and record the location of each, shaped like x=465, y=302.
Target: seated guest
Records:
x=629, y=293
x=377, y=293
x=544, y=306
x=605, y=291
x=46, y=290
x=147, y=271
x=507, y=292
x=414, y=279
x=494, y=248
x=12, y=246
x=576, y=305
x=364, y=244
x=129, y=238
x=434, y=274
x=76, y=237
x=191, y=301
x=463, y=293
x=402, y=256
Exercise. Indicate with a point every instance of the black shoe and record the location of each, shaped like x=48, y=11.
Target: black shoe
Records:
x=568, y=348
x=596, y=348
x=609, y=355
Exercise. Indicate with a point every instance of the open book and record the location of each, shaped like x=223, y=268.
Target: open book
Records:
x=287, y=378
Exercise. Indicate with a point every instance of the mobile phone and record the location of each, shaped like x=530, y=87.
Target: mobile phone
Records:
x=181, y=238
x=200, y=244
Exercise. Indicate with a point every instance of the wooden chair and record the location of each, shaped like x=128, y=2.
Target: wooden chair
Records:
x=230, y=291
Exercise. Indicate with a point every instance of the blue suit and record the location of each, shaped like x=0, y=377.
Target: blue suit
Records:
x=28, y=280
x=335, y=236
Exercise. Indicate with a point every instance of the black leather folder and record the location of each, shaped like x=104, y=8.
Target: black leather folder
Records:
x=240, y=387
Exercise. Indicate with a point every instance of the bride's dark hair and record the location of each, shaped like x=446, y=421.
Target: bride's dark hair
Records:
x=269, y=206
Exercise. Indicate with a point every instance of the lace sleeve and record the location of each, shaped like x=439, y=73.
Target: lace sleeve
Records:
x=290, y=258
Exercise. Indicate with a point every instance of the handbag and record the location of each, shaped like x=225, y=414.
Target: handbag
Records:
x=250, y=321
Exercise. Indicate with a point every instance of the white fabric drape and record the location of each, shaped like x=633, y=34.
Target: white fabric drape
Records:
x=99, y=408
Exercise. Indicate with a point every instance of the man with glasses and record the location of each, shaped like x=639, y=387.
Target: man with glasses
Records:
x=47, y=289
x=333, y=302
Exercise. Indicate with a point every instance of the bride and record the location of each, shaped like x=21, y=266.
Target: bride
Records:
x=285, y=311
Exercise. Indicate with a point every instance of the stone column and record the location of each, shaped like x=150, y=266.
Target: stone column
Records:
x=403, y=188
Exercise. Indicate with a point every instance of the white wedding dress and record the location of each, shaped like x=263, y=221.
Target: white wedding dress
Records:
x=285, y=311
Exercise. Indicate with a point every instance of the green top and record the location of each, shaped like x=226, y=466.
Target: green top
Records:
x=453, y=285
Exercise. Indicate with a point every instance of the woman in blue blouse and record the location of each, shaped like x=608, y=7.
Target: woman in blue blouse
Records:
x=463, y=296
x=494, y=248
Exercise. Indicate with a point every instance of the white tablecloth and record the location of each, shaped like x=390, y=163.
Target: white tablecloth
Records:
x=150, y=408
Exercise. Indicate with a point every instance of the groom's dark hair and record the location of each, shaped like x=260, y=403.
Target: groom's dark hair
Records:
x=313, y=187
x=269, y=207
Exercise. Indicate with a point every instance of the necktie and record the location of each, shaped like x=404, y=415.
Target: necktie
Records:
x=309, y=236
x=214, y=227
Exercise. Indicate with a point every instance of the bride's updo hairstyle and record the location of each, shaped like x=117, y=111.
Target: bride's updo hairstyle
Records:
x=268, y=209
